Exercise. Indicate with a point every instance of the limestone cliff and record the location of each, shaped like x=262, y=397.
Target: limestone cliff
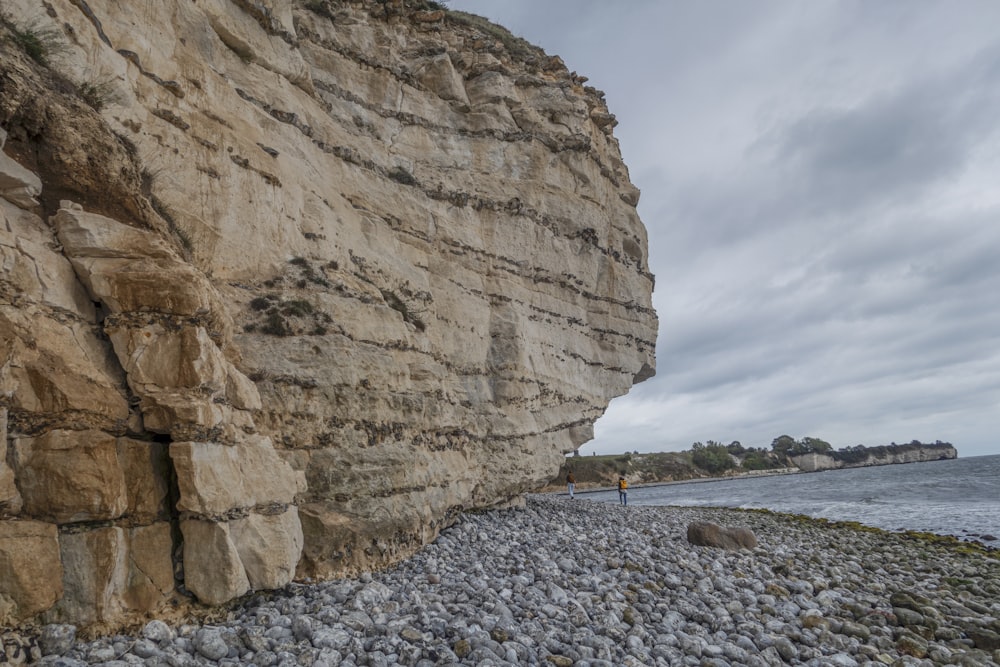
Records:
x=874, y=456
x=285, y=286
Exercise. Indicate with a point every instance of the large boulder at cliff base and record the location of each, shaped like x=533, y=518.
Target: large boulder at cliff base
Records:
x=30, y=569
x=706, y=534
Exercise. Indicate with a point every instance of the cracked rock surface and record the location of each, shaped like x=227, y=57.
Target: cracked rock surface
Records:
x=318, y=278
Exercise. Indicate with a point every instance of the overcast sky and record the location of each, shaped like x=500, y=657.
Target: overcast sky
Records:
x=821, y=185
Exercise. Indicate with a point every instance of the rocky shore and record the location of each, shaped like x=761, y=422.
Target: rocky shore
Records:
x=564, y=582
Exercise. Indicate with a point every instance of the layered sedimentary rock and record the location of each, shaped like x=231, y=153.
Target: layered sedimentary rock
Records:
x=875, y=456
x=285, y=286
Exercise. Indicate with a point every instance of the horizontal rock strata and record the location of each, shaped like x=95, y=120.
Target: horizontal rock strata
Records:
x=286, y=286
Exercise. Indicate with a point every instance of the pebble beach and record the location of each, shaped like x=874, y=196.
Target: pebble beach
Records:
x=578, y=583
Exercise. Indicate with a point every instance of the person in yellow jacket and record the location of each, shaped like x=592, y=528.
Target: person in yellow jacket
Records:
x=623, y=491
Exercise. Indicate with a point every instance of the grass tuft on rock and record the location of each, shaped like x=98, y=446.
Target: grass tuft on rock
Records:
x=38, y=42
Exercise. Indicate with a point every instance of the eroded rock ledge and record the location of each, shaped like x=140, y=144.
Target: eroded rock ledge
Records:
x=284, y=289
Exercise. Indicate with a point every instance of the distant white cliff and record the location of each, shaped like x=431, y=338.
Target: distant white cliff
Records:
x=874, y=456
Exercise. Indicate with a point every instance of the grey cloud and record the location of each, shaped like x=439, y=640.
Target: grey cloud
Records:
x=892, y=146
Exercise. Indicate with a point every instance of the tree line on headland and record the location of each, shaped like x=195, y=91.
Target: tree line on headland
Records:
x=715, y=459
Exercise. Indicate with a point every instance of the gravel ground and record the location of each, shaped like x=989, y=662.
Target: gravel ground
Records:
x=574, y=582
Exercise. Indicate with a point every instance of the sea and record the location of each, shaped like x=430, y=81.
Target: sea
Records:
x=958, y=497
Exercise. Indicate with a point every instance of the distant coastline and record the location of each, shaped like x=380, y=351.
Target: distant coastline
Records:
x=715, y=462
x=874, y=456
x=696, y=480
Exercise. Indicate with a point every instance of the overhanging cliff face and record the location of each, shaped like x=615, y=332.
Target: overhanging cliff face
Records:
x=328, y=277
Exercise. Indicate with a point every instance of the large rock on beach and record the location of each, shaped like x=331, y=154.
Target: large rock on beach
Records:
x=984, y=638
x=706, y=534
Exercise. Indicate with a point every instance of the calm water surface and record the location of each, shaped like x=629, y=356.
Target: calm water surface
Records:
x=959, y=497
